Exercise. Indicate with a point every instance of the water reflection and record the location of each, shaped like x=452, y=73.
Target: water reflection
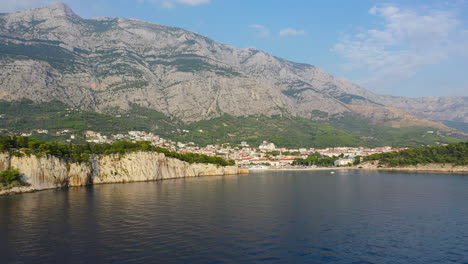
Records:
x=349, y=216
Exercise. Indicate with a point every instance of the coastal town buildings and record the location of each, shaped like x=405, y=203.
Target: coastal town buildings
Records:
x=243, y=154
x=266, y=154
x=343, y=162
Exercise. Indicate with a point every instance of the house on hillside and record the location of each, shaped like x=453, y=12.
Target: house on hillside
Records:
x=343, y=162
x=267, y=146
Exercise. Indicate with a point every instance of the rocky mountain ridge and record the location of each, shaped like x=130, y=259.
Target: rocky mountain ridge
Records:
x=108, y=64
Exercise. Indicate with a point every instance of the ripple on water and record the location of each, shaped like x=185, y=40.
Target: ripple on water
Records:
x=271, y=217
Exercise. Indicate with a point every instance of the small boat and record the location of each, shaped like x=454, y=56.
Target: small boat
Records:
x=332, y=172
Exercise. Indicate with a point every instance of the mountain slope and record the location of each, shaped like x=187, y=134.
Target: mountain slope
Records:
x=108, y=64
x=292, y=132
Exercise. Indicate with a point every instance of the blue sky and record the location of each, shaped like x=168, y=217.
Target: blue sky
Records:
x=410, y=48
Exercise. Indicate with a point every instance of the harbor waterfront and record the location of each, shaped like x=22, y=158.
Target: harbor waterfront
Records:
x=270, y=216
x=28, y=164
x=267, y=153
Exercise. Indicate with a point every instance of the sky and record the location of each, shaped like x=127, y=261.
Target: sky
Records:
x=405, y=47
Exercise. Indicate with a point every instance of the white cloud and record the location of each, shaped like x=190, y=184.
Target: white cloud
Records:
x=409, y=41
x=262, y=31
x=173, y=3
x=291, y=32
x=8, y=6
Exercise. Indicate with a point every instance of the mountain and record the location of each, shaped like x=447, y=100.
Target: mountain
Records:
x=108, y=65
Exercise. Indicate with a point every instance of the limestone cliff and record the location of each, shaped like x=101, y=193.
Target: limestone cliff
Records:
x=48, y=172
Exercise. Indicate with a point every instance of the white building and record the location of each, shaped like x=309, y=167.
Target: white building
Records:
x=343, y=162
x=267, y=146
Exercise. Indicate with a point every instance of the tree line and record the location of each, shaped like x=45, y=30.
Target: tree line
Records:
x=18, y=146
x=456, y=153
x=316, y=159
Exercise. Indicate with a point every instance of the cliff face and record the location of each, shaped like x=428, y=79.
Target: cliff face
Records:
x=48, y=172
x=145, y=166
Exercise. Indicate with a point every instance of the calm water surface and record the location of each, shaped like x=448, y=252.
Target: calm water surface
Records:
x=271, y=217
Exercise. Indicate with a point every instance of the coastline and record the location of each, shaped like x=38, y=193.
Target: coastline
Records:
x=427, y=168
x=30, y=189
x=19, y=190
x=440, y=168
x=304, y=169
x=49, y=172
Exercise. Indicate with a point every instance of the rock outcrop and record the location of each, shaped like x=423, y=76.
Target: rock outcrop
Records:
x=49, y=172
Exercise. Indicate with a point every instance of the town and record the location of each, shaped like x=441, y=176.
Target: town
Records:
x=264, y=156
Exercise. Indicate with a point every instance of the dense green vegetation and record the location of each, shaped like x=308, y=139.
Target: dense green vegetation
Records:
x=58, y=57
x=283, y=131
x=454, y=153
x=295, y=92
x=101, y=25
x=192, y=63
x=10, y=178
x=81, y=153
x=316, y=159
x=348, y=98
x=375, y=135
x=24, y=116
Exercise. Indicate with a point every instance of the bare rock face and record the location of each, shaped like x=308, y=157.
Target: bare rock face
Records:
x=103, y=63
x=148, y=166
x=394, y=117
x=49, y=172
x=434, y=108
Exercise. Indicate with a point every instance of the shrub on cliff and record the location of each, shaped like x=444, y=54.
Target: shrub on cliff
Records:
x=10, y=177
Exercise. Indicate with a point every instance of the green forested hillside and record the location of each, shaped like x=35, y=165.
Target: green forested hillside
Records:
x=292, y=132
x=283, y=131
x=378, y=135
x=316, y=159
x=453, y=153
x=22, y=116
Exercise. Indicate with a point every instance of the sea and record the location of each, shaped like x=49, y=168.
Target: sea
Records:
x=349, y=216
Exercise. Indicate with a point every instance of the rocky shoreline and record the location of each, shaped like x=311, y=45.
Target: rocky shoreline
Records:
x=443, y=168
x=48, y=172
x=447, y=168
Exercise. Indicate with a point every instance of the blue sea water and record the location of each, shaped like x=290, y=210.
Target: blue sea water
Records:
x=270, y=217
